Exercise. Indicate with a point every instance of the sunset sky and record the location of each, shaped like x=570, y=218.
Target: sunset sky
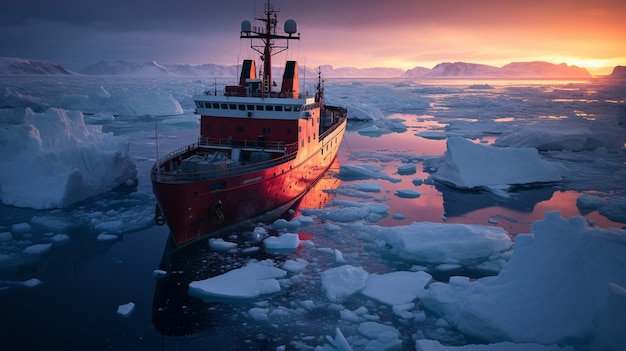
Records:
x=342, y=33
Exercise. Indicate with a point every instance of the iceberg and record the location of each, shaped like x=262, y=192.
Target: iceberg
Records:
x=53, y=160
x=468, y=165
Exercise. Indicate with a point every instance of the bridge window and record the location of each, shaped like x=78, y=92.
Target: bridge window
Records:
x=207, y=104
x=216, y=105
x=250, y=107
x=225, y=106
x=269, y=108
x=242, y=107
x=259, y=107
x=279, y=108
x=288, y=108
x=232, y=106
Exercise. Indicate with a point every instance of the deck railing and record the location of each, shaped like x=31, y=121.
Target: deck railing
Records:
x=245, y=144
x=184, y=177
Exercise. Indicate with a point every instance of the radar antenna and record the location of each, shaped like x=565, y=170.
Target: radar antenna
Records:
x=268, y=36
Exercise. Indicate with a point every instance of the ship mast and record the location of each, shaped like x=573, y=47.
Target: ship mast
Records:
x=267, y=34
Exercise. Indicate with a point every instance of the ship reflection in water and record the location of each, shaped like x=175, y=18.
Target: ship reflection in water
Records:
x=177, y=314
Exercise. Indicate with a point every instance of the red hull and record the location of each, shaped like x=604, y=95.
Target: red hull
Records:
x=189, y=208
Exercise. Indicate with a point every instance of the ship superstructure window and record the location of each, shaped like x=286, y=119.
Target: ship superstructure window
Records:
x=287, y=108
x=242, y=107
x=207, y=104
x=269, y=108
x=232, y=106
x=259, y=107
x=279, y=108
x=225, y=106
x=216, y=105
x=250, y=107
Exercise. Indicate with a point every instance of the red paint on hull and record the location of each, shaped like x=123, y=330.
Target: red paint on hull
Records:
x=187, y=206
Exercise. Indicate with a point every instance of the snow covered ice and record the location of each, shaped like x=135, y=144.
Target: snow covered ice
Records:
x=538, y=296
x=53, y=160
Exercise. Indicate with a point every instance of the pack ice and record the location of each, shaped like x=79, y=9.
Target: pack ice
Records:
x=53, y=159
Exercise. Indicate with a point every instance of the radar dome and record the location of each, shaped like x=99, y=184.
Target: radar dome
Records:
x=246, y=27
x=290, y=26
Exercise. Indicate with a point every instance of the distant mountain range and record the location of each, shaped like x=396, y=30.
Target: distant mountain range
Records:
x=515, y=70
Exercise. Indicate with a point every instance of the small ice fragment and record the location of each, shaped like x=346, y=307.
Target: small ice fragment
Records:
x=60, y=238
x=158, y=273
x=21, y=228
x=408, y=193
x=37, y=249
x=295, y=266
x=285, y=242
x=31, y=282
x=219, y=244
x=107, y=237
x=406, y=169
x=417, y=181
x=126, y=309
x=371, y=187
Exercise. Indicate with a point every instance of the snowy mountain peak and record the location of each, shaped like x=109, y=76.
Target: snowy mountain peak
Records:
x=619, y=72
x=15, y=66
x=525, y=70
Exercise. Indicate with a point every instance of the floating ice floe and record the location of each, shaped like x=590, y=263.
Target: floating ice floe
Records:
x=406, y=287
x=407, y=169
x=408, y=193
x=53, y=160
x=436, y=243
x=295, y=266
x=613, y=208
x=219, y=244
x=283, y=243
x=246, y=283
x=340, y=283
x=468, y=165
x=537, y=297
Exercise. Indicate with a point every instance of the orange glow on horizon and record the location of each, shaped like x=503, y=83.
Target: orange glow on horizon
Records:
x=417, y=34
